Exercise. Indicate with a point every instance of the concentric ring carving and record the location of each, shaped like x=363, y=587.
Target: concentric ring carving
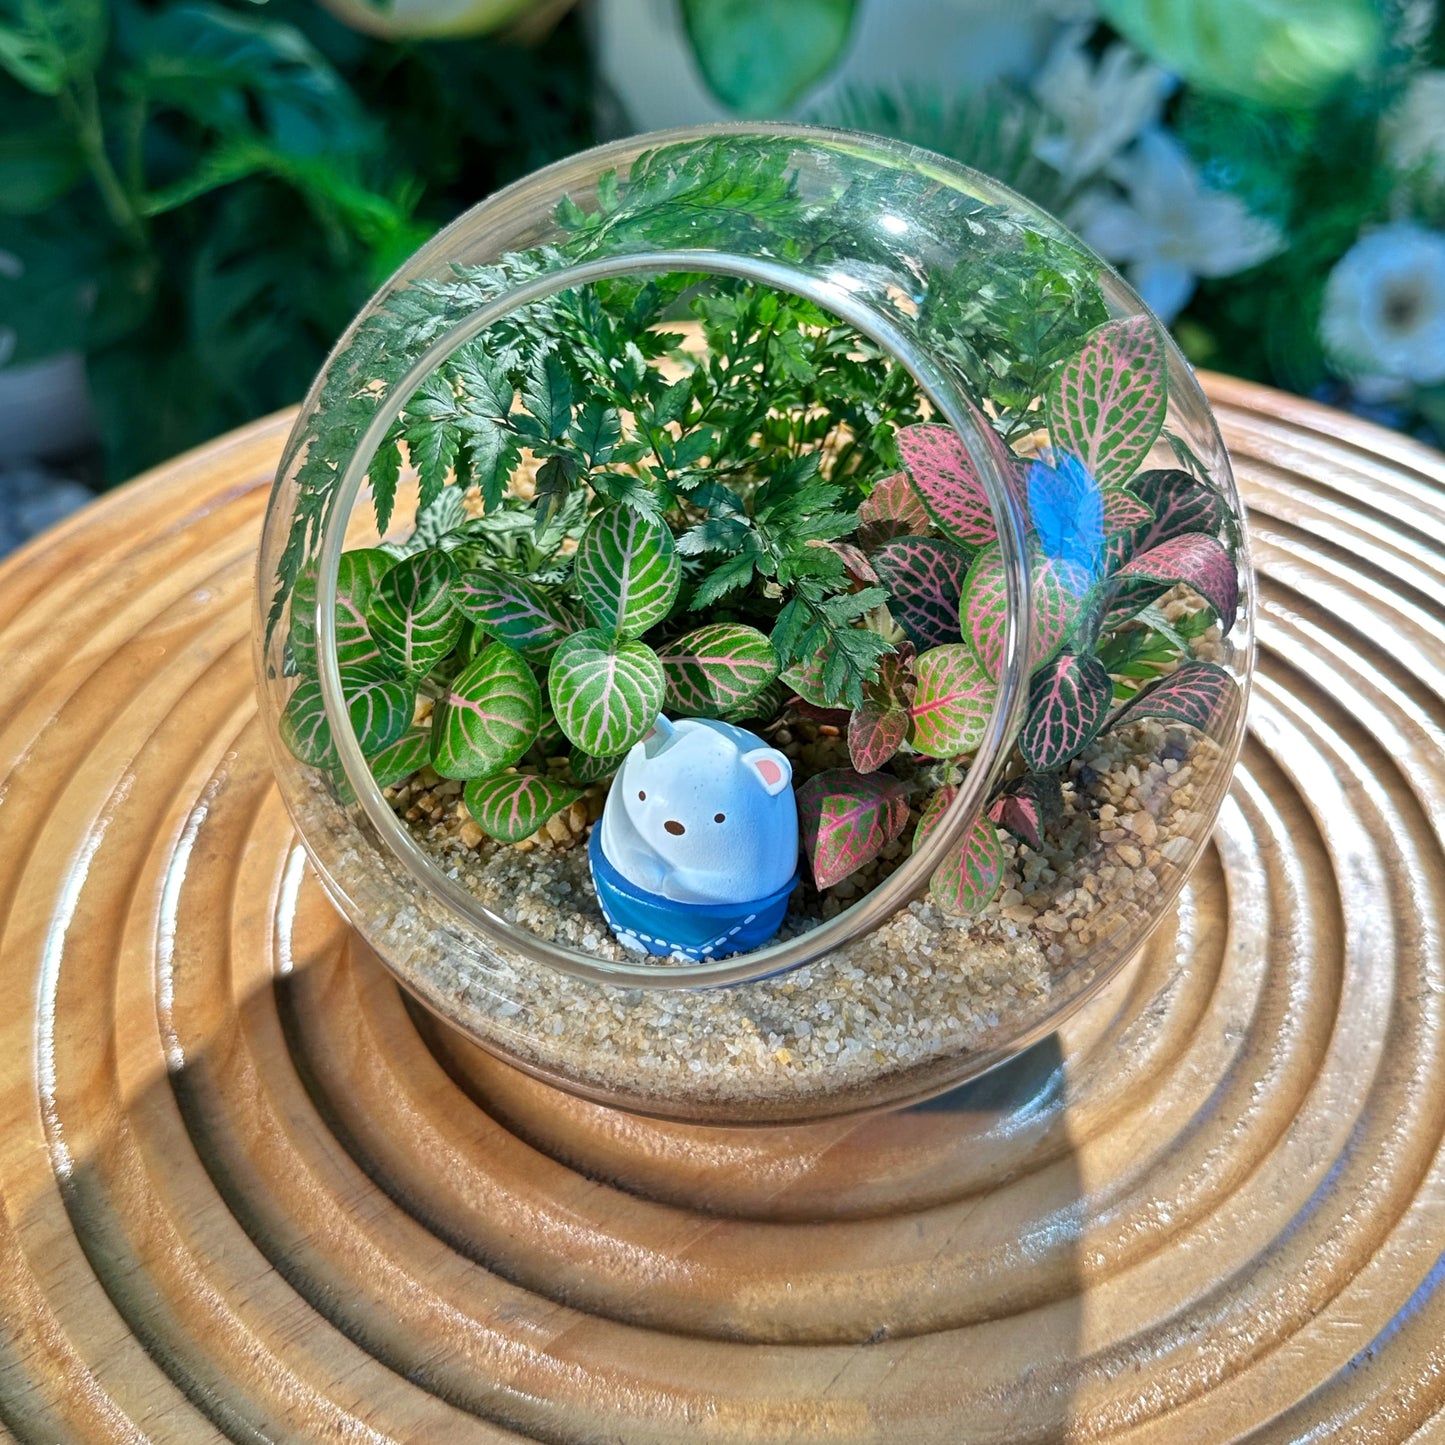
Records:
x=248, y=1193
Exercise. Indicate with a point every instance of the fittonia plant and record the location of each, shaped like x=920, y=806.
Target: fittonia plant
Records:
x=764, y=520
x=1107, y=539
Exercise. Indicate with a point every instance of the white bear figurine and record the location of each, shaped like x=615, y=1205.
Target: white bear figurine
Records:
x=702, y=812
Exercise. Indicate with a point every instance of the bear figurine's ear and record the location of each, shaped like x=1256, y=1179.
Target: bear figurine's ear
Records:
x=654, y=742
x=772, y=767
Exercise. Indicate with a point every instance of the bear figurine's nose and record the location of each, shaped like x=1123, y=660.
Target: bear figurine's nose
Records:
x=675, y=828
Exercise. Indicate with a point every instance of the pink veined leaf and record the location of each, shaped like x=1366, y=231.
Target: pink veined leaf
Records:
x=875, y=732
x=847, y=819
x=953, y=703
x=1020, y=816
x=945, y=478
x=1200, y=694
x=413, y=616
x=806, y=681
x=1107, y=404
x=1199, y=561
x=966, y=882
x=357, y=577
x=586, y=769
x=1068, y=704
x=1180, y=503
x=407, y=755
x=891, y=509
x=924, y=578
x=1027, y=805
x=932, y=813
x=895, y=684
x=855, y=559
x=1057, y=594
x=1123, y=511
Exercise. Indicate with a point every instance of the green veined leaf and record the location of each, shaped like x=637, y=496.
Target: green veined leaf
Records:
x=954, y=701
x=412, y=617
x=1106, y=406
x=409, y=754
x=716, y=669
x=626, y=571
x=514, y=611
x=514, y=805
x=966, y=882
x=605, y=696
x=488, y=717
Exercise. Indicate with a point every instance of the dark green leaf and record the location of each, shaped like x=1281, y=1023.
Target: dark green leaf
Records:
x=547, y=394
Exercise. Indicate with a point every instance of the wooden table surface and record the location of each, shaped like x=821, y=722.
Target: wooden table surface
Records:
x=246, y=1194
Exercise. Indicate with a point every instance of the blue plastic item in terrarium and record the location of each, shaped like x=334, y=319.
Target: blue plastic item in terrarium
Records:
x=697, y=850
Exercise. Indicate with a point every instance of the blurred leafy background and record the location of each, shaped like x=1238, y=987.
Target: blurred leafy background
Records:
x=197, y=195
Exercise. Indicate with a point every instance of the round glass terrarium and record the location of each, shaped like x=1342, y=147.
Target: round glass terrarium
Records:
x=828, y=453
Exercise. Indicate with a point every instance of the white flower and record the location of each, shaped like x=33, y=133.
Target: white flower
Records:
x=1099, y=107
x=1415, y=129
x=1384, y=305
x=1172, y=229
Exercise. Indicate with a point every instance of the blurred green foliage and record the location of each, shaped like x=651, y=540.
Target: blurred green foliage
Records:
x=758, y=56
x=200, y=196
x=1271, y=52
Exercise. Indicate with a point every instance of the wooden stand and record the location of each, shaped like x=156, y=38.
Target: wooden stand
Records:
x=246, y=1194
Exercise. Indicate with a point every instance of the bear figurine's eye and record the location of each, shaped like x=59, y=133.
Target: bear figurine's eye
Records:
x=719, y=817
x=642, y=797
